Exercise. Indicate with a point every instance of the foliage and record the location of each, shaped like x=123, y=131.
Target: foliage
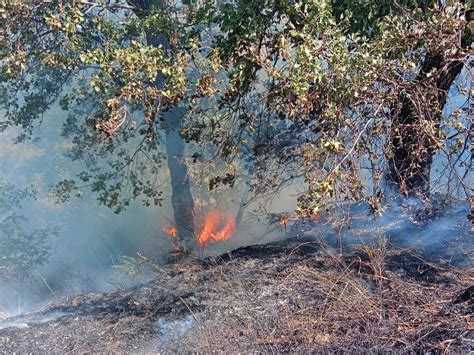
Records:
x=316, y=91
x=323, y=91
x=93, y=60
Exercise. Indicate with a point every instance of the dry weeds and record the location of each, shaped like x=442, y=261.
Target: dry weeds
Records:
x=376, y=300
x=272, y=299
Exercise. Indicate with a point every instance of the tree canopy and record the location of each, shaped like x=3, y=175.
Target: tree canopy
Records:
x=346, y=97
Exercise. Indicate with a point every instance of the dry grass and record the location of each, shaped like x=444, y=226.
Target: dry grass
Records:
x=356, y=303
x=271, y=299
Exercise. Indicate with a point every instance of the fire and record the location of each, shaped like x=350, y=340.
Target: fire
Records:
x=172, y=231
x=216, y=227
x=284, y=218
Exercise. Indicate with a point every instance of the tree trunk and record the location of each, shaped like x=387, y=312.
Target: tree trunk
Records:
x=415, y=125
x=181, y=196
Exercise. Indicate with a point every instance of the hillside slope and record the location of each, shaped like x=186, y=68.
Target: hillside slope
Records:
x=270, y=298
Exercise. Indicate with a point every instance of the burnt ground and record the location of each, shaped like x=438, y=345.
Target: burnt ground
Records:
x=271, y=298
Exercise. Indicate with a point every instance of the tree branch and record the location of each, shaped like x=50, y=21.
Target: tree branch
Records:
x=109, y=6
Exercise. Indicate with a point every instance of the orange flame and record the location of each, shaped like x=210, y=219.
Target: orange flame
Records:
x=172, y=231
x=283, y=220
x=216, y=227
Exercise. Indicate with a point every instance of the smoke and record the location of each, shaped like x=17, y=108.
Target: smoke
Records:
x=91, y=238
x=436, y=230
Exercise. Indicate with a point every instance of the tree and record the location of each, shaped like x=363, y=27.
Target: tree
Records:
x=316, y=90
x=104, y=59
x=344, y=87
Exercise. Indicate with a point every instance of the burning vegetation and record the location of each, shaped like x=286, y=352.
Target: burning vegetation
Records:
x=216, y=226
x=170, y=230
x=363, y=106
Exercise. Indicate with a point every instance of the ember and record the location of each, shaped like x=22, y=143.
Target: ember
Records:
x=172, y=231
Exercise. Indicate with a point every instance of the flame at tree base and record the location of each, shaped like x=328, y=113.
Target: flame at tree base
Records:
x=216, y=226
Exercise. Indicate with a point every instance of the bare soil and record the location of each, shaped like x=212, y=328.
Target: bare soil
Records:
x=275, y=298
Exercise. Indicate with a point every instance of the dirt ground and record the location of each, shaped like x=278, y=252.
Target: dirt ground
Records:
x=275, y=298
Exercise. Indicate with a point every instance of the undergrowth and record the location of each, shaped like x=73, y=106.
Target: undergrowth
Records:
x=376, y=299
